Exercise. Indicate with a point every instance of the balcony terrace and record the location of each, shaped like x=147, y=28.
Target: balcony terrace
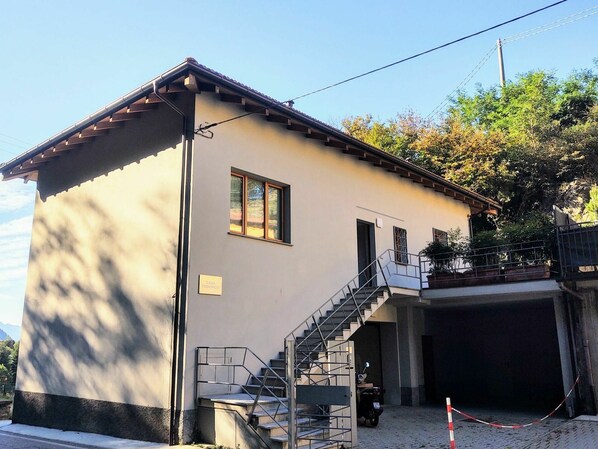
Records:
x=490, y=265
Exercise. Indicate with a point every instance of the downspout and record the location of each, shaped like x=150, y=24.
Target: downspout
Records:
x=180, y=298
x=584, y=336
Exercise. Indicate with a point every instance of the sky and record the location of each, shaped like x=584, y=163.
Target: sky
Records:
x=60, y=61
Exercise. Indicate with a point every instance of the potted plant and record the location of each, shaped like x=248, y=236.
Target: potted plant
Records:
x=482, y=254
x=530, y=244
x=442, y=257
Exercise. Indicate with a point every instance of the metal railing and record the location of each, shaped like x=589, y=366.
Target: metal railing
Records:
x=319, y=360
x=387, y=270
x=228, y=366
x=578, y=249
x=489, y=265
x=317, y=417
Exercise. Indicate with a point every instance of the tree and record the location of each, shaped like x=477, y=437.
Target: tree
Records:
x=9, y=357
x=525, y=145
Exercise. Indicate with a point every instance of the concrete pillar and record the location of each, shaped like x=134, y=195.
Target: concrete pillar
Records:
x=409, y=354
x=560, y=315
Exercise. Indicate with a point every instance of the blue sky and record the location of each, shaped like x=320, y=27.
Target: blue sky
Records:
x=63, y=60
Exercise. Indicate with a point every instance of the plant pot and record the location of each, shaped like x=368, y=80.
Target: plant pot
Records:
x=445, y=280
x=527, y=273
x=482, y=276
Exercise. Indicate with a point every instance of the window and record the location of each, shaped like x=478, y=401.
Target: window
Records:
x=400, y=239
x=258, y=208
x=440, y=236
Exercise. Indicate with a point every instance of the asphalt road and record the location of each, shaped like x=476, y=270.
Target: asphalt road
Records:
x=8, y=441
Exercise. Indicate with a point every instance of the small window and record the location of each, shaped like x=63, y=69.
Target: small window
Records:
x=440, y=236
x=400, y=239
x=257, y=208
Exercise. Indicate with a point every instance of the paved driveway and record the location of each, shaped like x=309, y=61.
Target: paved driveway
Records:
x=427, y=428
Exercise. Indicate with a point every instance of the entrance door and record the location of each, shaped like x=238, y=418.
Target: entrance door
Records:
x=366, y=253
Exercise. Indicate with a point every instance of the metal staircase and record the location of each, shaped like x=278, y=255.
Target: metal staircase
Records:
x=318, y=358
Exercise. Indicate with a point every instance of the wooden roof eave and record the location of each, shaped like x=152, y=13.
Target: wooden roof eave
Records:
x=190, y=76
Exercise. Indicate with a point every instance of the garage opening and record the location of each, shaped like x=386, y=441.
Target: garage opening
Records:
x=376, y=343
x=500, y=355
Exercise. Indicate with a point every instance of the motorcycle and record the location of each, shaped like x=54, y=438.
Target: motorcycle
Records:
x=368, y=399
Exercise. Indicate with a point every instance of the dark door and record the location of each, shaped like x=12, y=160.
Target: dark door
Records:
x=366, y=253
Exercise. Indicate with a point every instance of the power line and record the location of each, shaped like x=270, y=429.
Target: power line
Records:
x=11, y=153
x=466, y=80
x=552, y=25
x=524, y=34
x=203, y=128
x=18, y=140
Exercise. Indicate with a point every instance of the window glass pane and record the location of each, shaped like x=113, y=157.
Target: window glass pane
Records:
x=255, y=208
x=400, y=238
x=274, y=213
x=236, y=204
x=440, y=236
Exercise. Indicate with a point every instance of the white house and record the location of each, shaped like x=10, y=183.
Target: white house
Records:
x=197, y=212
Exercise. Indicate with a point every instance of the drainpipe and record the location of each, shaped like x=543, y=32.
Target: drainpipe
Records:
x=180, y=298
x=585, y=339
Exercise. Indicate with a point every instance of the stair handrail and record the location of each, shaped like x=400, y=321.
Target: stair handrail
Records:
x=262, y=384
x=331, y=301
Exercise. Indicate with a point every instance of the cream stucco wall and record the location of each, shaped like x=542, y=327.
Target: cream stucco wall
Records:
x=98, y=321
x=269, y=288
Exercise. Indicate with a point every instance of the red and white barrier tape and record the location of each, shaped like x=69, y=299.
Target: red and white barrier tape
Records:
x=451, y=427
x=514, y=426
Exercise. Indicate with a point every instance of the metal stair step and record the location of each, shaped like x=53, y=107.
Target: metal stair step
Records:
x=280, y=427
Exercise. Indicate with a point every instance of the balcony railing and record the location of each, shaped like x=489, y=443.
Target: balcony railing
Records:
x=578, y=250
x=490, y=265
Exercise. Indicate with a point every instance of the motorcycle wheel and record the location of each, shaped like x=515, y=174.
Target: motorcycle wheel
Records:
x=373, y=419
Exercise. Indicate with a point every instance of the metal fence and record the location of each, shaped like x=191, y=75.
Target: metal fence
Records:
x=490, y=265
x=578, y=249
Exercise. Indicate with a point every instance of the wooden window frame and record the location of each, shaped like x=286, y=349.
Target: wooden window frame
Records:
x=284, y=212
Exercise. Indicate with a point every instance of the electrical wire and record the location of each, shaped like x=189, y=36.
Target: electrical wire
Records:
x=552, y=25
x=513, y=38
x=14, y=138
x=203, y=128
x=466, y=80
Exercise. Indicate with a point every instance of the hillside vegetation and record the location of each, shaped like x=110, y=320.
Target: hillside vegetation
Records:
x=529, y=145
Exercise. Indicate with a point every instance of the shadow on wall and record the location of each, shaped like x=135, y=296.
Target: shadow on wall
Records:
x=102, y=270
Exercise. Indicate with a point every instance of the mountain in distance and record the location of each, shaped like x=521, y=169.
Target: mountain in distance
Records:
x=10, y=330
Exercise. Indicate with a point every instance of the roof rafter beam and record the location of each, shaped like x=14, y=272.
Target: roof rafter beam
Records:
x=298, y=127
x=311, y=134
x=91, y=132
x=107, y=125
x=277, y=118
x=190, y=83
x=206, y=87
x=141, y=107
x=231, y=98
x=255, y=109
x=123, y=116
x=334, y=143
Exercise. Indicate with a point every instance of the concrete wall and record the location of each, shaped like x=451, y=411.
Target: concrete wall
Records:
x=269, y=288
x=97, y=323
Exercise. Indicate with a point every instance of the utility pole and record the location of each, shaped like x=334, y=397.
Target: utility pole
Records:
x=501, y=66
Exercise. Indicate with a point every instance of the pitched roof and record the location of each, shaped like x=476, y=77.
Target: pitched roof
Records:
x=190, y=76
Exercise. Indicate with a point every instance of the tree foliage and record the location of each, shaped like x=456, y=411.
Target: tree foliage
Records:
x=526, y=145
x=9, y=357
